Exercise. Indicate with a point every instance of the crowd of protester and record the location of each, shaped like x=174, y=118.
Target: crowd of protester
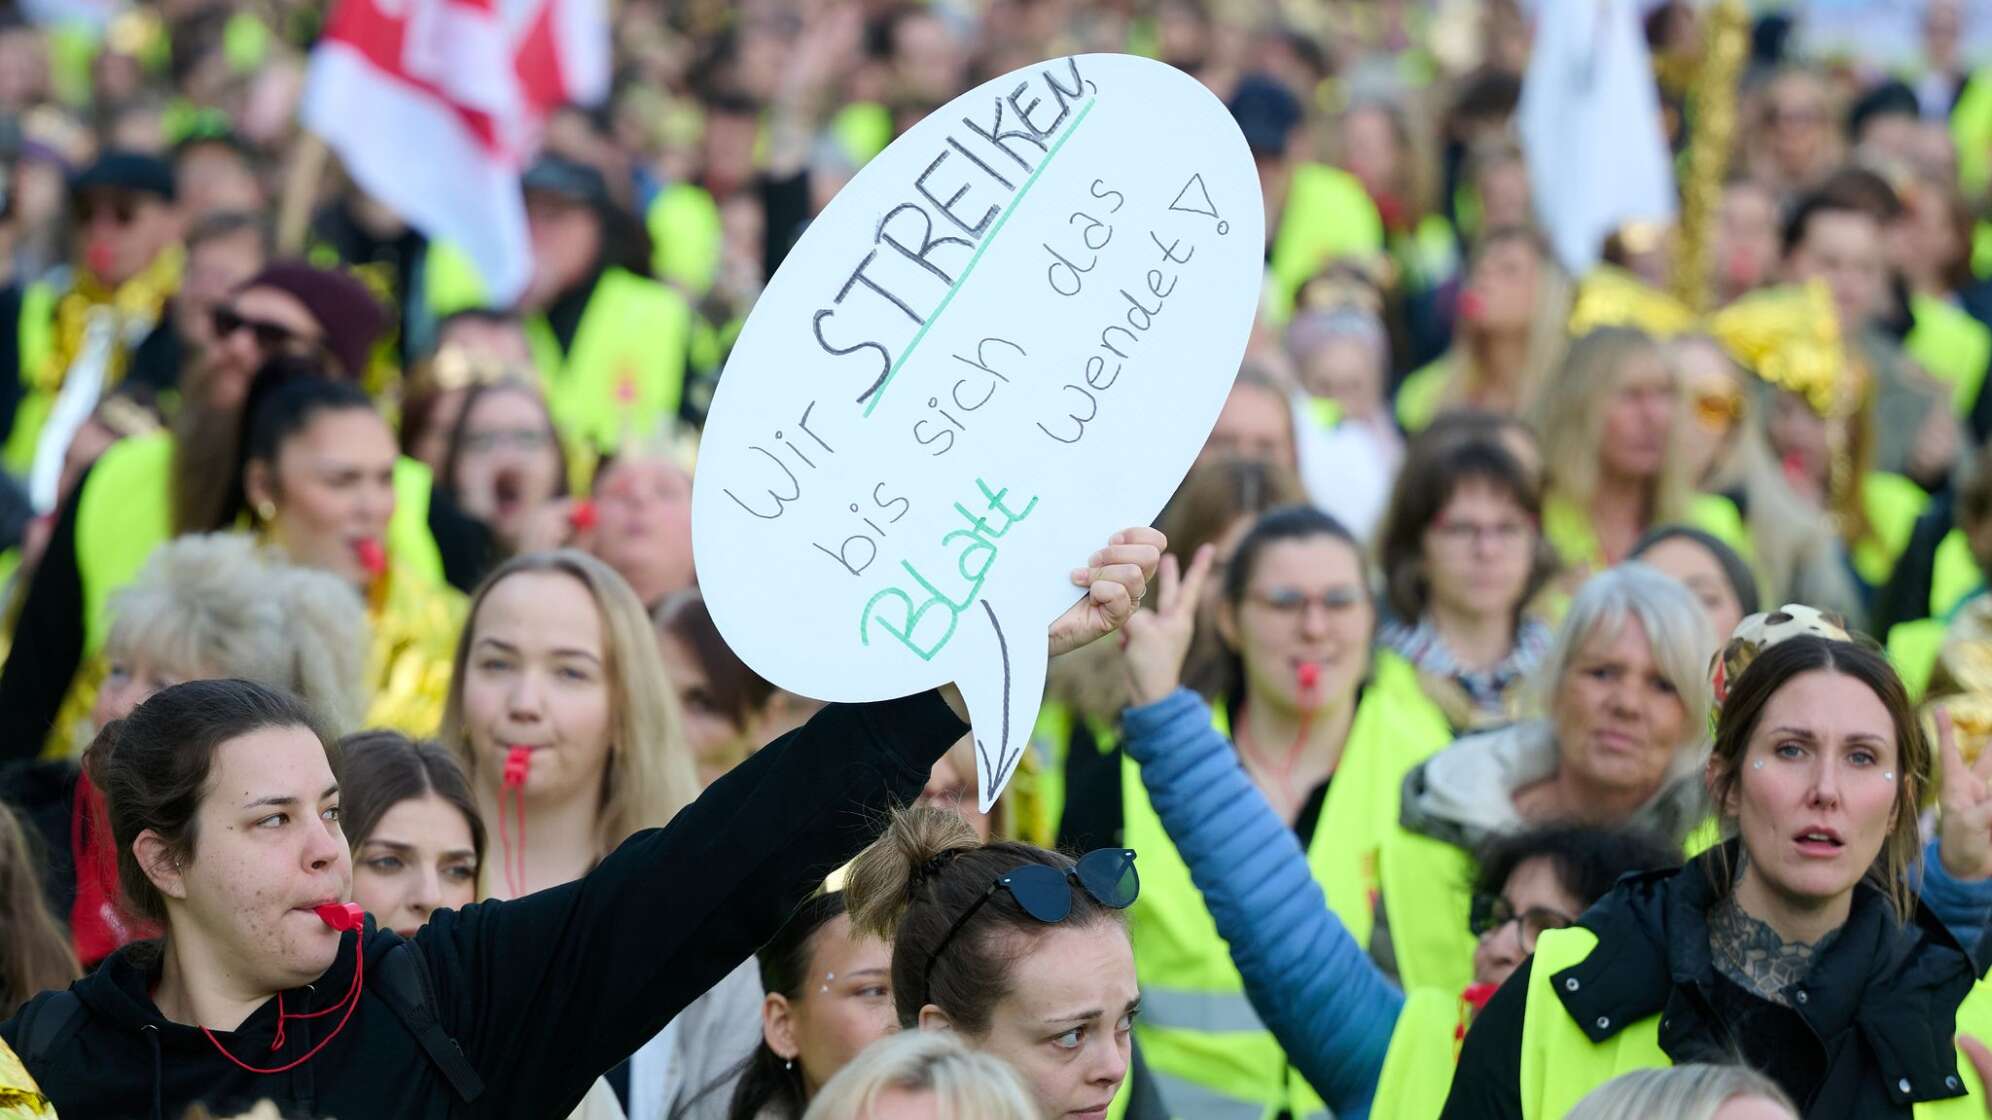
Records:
x=1550, y=692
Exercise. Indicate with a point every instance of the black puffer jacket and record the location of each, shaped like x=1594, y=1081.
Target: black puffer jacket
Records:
x=1876, y=1013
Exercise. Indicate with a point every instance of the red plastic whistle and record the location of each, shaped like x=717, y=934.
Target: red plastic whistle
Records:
x=582, y=517
x=342, y=916
x=517, y=761
x=1309, y=675
x=372, y=557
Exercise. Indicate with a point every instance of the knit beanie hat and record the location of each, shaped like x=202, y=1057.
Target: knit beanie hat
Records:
x=350, y=316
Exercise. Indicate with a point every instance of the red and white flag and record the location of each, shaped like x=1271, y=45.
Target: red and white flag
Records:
x=435, y=107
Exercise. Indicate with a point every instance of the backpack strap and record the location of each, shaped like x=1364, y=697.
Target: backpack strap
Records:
x=404, y=986
x=48, y=1024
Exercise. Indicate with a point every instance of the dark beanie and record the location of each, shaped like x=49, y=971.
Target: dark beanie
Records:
x=350, y=316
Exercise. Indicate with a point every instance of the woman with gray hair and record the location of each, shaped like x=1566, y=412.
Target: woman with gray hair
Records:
x=1624, y=698
x=216, y=605
x=204, y=607
x=1687, y=1092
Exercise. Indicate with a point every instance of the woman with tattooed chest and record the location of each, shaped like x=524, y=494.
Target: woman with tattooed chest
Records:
x=1800, y=945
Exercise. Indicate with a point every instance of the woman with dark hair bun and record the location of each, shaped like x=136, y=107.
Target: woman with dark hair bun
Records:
x=1020, y=951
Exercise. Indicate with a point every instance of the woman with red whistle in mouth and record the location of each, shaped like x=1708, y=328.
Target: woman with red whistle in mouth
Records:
x=1509, y=335
x=318, y=478
x=224, y=804
x=1324, y=728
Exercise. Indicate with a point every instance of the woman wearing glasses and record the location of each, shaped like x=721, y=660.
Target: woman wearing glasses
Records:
x=503, y=462
x=1020, y=951
x=1326, y=730
x=1463, y=552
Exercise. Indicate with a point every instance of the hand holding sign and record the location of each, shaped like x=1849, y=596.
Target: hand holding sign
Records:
x=1006, y=337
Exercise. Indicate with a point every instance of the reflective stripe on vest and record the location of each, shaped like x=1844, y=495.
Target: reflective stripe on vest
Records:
x=1197, y=1025
x=1189, y=1100
x=1424, y=1050
x=35, y=335
x=1560, y=1063
x=624, y=373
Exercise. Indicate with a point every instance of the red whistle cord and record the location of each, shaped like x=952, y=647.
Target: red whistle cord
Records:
x=349, y=1002
x=517, y=761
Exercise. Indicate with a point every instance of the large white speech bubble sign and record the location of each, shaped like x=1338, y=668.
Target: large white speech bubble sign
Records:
x=1005, y=339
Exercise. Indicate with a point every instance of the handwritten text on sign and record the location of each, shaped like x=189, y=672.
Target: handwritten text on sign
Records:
x=1004, y=340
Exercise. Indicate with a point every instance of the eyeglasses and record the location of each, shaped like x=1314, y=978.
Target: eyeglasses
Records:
x=270, y=336
x=1465, y=534
x=1289, y=602
x=1716, y=409
x=1045, y=893
x=1492, y=912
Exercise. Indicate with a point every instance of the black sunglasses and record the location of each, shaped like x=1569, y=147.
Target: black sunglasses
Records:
x=269, y=336
x=1491, y=912
x=1045, y=893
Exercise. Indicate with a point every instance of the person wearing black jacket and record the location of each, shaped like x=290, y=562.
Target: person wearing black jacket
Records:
x=224, y=804
x=1798, y=946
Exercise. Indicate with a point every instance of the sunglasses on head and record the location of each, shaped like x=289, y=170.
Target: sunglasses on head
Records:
x=269, y=336
x=1045, y=893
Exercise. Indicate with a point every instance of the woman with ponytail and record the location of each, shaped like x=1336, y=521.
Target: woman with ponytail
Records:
x=1022, y=952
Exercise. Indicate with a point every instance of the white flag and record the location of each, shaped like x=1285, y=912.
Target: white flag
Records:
x=1591, y=128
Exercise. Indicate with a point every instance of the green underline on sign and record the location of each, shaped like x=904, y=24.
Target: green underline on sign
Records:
x=1050, y=153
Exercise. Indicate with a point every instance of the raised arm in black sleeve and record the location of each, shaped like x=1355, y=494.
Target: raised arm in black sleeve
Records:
x=547, y=992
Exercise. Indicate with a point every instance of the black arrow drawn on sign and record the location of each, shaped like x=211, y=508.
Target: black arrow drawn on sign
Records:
x=1006, y=759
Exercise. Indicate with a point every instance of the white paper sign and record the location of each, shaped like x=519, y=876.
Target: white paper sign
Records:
x=1004, y=340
